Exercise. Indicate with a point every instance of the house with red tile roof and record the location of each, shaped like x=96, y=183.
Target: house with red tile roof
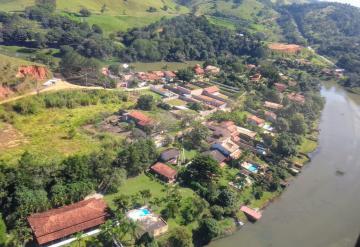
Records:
x=270, y=116
x=273, y=106
x=57, y=224
x=297, y=98
x=165, y=172
x=214, y=92
x=256, y=121
x=199, y=70
x=140, y=119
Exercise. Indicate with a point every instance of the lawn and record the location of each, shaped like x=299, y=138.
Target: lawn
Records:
x=307, y=146
x=47, y=132
x=143, y=182
x=176, y=102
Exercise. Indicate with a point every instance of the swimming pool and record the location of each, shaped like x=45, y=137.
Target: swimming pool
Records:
x=137, y=214
x=250, y=167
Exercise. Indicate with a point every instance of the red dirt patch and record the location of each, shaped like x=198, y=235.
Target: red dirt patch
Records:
x=5, y=92
x=10, y=137
x=286, y=48
x=34, y=71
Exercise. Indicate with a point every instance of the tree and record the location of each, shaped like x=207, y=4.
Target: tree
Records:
x=180, y=237
x=146, y=103
x=195, y=137
x=195, y=106
x=203, y=169
x=209, y=229
x=85, y=12
x=285, y=145
x=122, y=203
x=185, y=74
x=227, y=198
x=297, y=124
x=145, y=194
x=3, y=236
x=137, y=157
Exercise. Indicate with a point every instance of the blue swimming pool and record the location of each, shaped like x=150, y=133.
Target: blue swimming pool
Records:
x=253, y=168
x=139, y=213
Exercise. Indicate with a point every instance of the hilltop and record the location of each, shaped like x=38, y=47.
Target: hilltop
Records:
x=111, y=15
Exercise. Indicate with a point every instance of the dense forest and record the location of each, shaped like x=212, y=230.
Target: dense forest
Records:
x=186, y=38
x=334, y=29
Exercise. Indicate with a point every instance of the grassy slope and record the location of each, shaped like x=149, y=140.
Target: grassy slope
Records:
x=119, y=15
x=9, y=67
x=259, y=17
x=46, y=132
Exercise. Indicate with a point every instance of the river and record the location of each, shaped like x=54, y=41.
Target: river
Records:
x=320, y=208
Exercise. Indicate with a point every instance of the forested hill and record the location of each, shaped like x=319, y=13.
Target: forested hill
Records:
x=186, y=38
x=332, y=28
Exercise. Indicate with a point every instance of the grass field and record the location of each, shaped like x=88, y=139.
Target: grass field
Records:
x=119, y=15
x=47, y=132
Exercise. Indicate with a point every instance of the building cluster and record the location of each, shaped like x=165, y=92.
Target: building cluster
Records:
x=131, y=79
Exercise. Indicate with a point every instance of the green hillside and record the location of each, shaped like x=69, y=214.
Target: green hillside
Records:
x=118, y=15
x=8, y=69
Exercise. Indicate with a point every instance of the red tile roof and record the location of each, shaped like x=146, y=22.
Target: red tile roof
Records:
x=164, y=170
x=198, y=70
x=212, y=89
x=251, y=212
x=256, y=119
x=141, y=118
x=65, y=221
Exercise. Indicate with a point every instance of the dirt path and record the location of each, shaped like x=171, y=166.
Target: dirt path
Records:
x=10, y=137
x=60, y=85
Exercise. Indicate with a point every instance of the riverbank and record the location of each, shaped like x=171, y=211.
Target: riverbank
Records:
x=319, y=202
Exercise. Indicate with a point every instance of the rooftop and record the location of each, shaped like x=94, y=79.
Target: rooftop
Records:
x=164, y=170
x=62, y=222
x=251, y=212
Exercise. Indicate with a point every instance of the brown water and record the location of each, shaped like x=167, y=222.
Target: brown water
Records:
x=320, y=208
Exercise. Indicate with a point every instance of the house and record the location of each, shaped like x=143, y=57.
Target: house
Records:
x=255, y=78
x=170, y=155
x=140, y=119
x=255, y=121
x=216, y=155
x=246, y=135
x=270, y=116
x=212, y=70
x=210, y=101
x=56, y=224
x=273, y=106
x=297, y=98
x=252, y=214
x=162, y=91
x=169, y=75
x=189, y=89
x=211, y=90
x=148, y=221
x=165, y=172
x=214, y=92
x=227, y=148
x=280, y=87
x=199, y=70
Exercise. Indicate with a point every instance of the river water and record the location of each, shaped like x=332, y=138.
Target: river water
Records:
x=320, y=208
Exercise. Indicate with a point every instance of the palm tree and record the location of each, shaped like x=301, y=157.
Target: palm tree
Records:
x=78, y=237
